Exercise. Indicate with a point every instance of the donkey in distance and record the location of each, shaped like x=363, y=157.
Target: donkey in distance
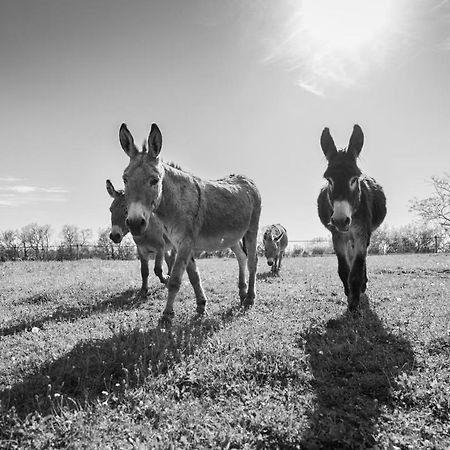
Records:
x=351, y=206
x=152, y=241
x=275, y=241
x=197, y=215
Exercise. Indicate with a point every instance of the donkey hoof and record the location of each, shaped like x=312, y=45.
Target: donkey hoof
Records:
x=164, y=280
x=165, y=321
x=247, y=302
x=141, y=295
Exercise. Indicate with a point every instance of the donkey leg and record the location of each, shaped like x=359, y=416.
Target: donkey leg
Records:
x=158, y=266
x=365, y=280
x=144, y=274
x=242, y=261
x=252, y=263
x=274, y=269
x=169, y=256
x=174, y=283
x=279, y=260
x=196, y=282
x=343, y=271
x=356, y=281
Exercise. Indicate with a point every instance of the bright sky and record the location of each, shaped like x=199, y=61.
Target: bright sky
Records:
x=235, y=87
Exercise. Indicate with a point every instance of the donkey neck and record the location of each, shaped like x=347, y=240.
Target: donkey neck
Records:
x=180, y=197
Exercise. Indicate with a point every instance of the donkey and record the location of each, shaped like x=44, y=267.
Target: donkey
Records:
x=275, y=241
x=351, y=206
x=197, y=215
x=152, y=241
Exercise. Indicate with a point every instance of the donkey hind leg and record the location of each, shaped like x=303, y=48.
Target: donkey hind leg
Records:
x=356, y=281
x=241, y=257
x=144, y=274
x=158, y=266
x=343, y=271
x=174, y=283
x=196, y=283
x=169, y=256
x=252, y=263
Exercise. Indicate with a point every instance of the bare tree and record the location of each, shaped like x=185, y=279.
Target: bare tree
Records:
x=9, y=243
x=436, y=208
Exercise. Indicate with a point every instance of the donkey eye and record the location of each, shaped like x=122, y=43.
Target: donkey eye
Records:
x=125, y=180
x=153, y=181
x=330, y=183
x=353, y=181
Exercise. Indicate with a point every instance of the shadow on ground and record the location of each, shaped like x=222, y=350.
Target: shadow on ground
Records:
x=267, y=275
x=354, y=362
x=94, y=369
x=65, y=312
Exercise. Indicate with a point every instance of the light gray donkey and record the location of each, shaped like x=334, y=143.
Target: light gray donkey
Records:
x=197, y=215
x=275, y=240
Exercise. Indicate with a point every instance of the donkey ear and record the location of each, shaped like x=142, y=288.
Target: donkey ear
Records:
x=127, y=141
x=328, y=146
x=154, y=141
x=356, y=141
x=110, y=188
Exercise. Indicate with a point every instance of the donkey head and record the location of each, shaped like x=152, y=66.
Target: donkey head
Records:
x=271, y=249
x=343, y=176
x=118, y=210
x=142, y=178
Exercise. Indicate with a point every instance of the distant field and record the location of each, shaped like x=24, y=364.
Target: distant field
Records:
x=82, y=364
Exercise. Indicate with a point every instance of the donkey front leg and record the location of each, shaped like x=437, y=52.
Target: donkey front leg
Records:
x=158, y=269
x=356, y=281
x=196, y=283
x=343, y=271
x=279, y=261
x=144, y=274
x=181, y=261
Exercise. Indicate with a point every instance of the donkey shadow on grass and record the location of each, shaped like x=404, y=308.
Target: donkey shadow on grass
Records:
x=355, y=363
x=119, y=301
x=95, y=369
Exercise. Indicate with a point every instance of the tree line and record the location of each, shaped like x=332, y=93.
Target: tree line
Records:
x=430, y=234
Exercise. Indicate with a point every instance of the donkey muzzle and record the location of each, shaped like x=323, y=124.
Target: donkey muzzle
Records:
x=341, y=224
x=115, y=237
x=136, y=225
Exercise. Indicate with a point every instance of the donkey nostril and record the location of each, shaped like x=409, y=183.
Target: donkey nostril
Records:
x=142, y=222
x=347, y=221
x=333, y=221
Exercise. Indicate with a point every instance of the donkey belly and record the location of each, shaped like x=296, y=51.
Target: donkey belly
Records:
x=217, y=242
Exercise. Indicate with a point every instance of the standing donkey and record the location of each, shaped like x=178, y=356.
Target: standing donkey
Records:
x=153, y=240
x=351, y=206
x=275, y=241
x=197, y=215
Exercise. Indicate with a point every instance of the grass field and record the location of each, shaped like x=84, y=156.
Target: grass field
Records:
x=82, y=364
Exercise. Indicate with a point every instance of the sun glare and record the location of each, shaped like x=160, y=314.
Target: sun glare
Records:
x=345, y=25
x=334, y=42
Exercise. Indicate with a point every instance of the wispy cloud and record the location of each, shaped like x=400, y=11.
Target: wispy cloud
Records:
x=13, y=192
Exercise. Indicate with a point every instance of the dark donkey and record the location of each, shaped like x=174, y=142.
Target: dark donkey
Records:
x=153, y=240
x=352, y=206
x=197, y=215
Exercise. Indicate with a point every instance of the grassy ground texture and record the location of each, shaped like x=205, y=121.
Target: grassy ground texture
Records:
x=83, y=365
